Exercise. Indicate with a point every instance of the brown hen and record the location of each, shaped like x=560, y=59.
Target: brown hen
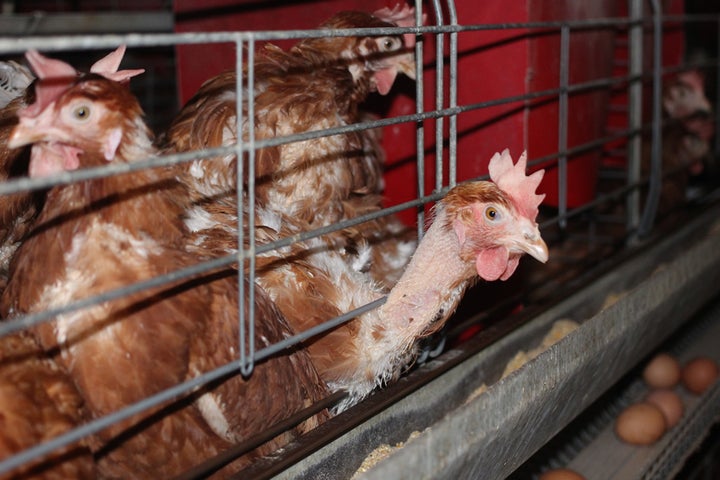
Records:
x=97, y=235
x=319, y=83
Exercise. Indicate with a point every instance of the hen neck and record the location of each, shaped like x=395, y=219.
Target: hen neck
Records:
x=431, y=287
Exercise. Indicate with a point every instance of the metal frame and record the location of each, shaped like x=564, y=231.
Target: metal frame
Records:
x=642, y=224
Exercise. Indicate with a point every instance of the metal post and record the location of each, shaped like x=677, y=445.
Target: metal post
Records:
x=653, y=197
x=635, y=114
x=245, y=347
x=452, y=140
x=439, y=100
x=717, y=95
x=563, y=123
x=420, y=128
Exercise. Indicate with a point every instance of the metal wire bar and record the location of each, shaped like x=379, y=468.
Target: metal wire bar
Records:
x=212, y=465
x=246, y=348
x=452, y=94
x=634, y=115
x=94, y=42
x=419, y=127
x=33, y=319
x=439, y=92
x=717, y=96
x=562, y=122
x=23, y=184
x=653, y=196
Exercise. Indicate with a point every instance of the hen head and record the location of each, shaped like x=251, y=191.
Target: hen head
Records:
x=76, y=119
x=495, y=221
x=684, y=99
x=375, y=59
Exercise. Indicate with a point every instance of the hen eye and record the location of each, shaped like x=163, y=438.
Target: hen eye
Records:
x=81, y=112
x=389, y=43
x=492, y=214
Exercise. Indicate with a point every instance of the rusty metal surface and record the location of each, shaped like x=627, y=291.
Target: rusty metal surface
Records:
x=491, y=434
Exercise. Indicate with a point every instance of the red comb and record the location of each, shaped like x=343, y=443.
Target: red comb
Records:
x=511, y=179
x=57, y=76
x=109, y=64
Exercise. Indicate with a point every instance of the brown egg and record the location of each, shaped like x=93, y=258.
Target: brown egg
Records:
x=640, y=424
x=699, y=373
x=561, y=474
x=663, y=371
x=669, y=404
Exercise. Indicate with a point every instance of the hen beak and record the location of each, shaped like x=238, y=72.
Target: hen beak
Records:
x=24, y=134
x=532, y=243
x=35, y=129
x=406, y=65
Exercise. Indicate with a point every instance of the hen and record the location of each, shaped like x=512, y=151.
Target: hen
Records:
x=481, y=229
x=319, y=83
x=97, y=235
x=686, y=141
x=18, y=210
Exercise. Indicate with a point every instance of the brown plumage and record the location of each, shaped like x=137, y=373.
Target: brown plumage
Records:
x=16, y=210
x=98, y=235
x=319, y=83
x=38, y=402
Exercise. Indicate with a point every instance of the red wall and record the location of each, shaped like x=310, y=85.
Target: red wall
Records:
x=591, y=58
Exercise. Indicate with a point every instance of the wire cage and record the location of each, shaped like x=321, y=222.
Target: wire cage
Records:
x=581, y=89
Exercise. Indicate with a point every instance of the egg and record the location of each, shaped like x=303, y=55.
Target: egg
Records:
x=669, y=404
x=663, y=371
x=561, y=474
x=640, y=424
x=699, y=373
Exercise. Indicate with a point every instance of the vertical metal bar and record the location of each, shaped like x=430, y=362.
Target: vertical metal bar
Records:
x=717, y=94
x=240, y=165
x=653, y=197
x=439, y=100
x=563, y=123
x=246, y=326
x=635, y=114
x=420, y=128
x=452, y=140
x=248, y=365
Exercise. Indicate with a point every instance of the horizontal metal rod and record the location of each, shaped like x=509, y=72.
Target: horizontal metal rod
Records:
x=10, y=45
x=43, y=23
x=172, y=393
x=30, y=320
x=93, y=42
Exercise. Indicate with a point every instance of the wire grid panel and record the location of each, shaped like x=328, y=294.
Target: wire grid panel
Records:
x=241, y=39
x=441, y=30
